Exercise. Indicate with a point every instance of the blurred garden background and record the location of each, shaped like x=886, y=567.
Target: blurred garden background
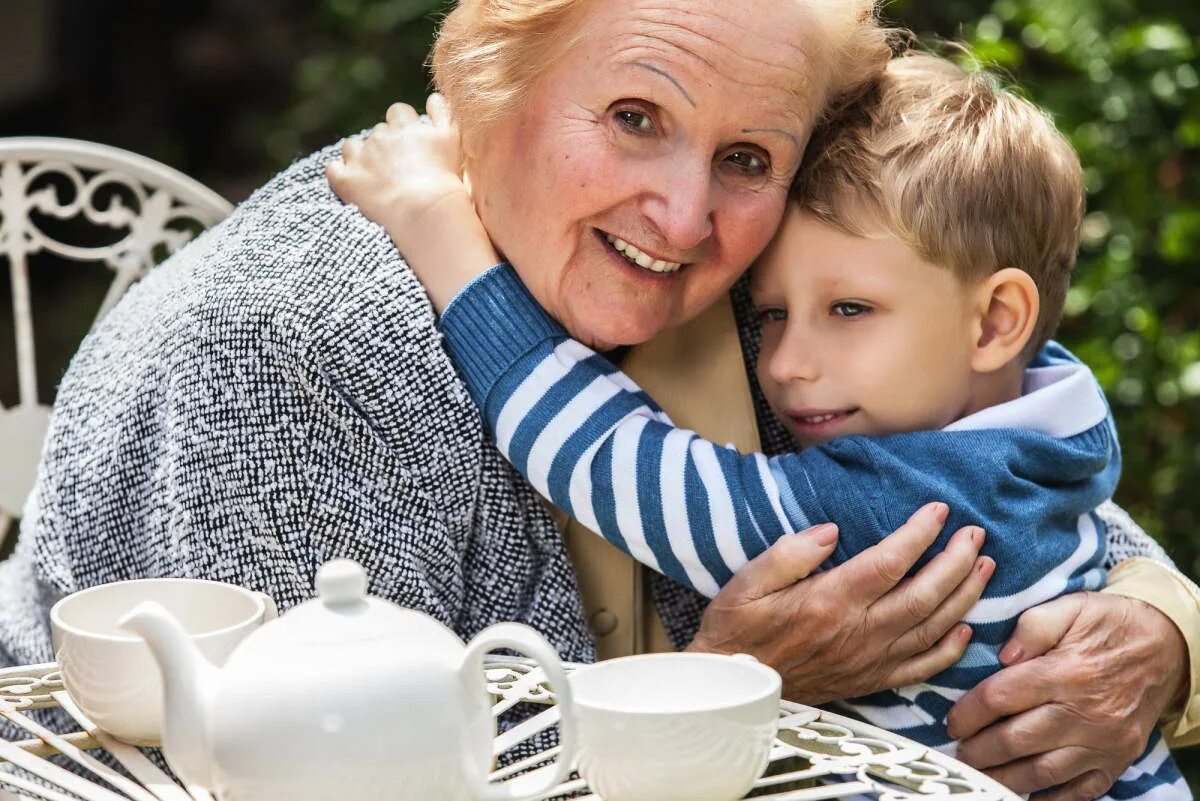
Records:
x=229, y=91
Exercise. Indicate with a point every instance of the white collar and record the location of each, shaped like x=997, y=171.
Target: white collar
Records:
x=1062, y=400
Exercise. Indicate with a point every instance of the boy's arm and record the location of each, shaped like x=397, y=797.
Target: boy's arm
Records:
x=593, y=443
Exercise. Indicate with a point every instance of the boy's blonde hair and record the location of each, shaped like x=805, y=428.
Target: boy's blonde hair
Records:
x=489, y=53
x=968, y=174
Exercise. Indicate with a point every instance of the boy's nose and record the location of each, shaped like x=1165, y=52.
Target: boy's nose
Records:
x=793, y=361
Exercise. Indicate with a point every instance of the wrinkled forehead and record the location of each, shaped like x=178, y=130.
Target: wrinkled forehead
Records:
x=767, y=50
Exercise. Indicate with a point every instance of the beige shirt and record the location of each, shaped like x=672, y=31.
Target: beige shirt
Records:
x=696, y=374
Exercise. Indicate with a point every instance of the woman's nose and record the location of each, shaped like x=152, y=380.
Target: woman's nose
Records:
x=679, y=204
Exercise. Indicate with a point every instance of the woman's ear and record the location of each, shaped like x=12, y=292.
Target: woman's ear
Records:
x=1008, y=305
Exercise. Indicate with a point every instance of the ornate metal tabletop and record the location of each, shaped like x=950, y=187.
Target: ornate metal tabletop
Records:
x=817, y=754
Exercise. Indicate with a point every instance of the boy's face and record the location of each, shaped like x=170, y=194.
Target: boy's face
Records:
x=860, y=335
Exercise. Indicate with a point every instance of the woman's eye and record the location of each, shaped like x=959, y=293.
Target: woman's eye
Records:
x=636, y=121
x=771, y=315
x=849, y=309
x=747, y=162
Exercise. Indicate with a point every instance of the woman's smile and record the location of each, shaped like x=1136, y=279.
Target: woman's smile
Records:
x=635, y=255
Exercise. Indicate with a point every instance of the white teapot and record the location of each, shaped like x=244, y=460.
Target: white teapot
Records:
x=345, y=697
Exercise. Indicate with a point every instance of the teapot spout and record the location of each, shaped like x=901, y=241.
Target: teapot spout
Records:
x=189, y=682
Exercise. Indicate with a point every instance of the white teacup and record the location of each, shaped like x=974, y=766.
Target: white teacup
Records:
x=675, y=727
x=110, y=674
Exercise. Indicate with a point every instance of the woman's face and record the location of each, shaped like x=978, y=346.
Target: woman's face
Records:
x=651, y=163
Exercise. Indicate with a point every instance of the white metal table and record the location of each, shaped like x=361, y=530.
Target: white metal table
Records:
x=817, y=754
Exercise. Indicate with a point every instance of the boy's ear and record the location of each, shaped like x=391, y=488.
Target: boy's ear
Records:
x=1008, y=305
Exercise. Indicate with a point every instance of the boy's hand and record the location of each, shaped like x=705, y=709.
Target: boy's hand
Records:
x=406, y=175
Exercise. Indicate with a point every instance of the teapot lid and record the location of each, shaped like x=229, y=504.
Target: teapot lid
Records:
x=340, y=583
x=343, y=613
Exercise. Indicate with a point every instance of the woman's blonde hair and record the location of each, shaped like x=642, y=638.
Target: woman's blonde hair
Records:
x=968, y=174
x=489, y=53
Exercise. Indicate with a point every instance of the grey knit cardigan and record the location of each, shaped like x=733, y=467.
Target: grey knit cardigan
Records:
x=275, y=395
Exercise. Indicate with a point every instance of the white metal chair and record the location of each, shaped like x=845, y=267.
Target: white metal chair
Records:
x=153, y=209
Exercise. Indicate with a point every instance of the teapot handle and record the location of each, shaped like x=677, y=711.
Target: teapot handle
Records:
x=521, y=638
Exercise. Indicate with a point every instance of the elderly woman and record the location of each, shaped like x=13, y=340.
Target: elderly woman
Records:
x=275, y=395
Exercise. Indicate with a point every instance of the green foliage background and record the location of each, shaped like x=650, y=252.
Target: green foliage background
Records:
x=1121, y=80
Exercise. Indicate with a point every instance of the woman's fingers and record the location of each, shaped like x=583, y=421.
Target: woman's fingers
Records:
x=1036, y=730
x=783, y=564
x=1050, y=769
x=1009, y=692
x=909, y=603
x=401, y=114
x=1090, y=785
x=924, y=593
x=881, y=567
x=438, y=110
x=1041, y=628
x=930, y=661
x=1088, y=704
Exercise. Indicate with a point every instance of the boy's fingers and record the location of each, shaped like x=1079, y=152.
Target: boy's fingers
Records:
x=783, y=564
x=352, y=149
x=438, y=110
x=401, y=114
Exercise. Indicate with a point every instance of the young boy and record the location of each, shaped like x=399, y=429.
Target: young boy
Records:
x=905, y=306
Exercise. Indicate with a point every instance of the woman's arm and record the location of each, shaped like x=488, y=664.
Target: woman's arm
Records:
x=1088, y=678
x=1140, y=569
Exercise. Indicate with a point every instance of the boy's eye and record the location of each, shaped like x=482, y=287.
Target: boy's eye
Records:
x=636, y=121
x=771, y=315
x=848, y=308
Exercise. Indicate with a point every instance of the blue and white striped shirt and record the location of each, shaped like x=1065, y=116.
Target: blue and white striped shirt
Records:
x=1030, y=472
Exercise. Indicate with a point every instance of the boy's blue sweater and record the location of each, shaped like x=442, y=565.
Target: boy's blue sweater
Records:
x=1030, y=472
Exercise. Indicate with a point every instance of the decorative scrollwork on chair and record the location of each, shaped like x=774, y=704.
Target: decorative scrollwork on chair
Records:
x=143, y=209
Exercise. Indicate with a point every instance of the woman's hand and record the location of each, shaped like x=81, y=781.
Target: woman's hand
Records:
x=859, y=627
x=406, y=175
x=1088, y=677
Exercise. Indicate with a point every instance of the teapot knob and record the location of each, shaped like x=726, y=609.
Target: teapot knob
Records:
x=340, y=582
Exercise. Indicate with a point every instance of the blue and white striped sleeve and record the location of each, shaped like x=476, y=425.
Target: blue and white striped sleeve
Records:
x=598, y=447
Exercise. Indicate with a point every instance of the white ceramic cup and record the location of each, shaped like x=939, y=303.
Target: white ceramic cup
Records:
x=675, y=727
x=110, y=673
